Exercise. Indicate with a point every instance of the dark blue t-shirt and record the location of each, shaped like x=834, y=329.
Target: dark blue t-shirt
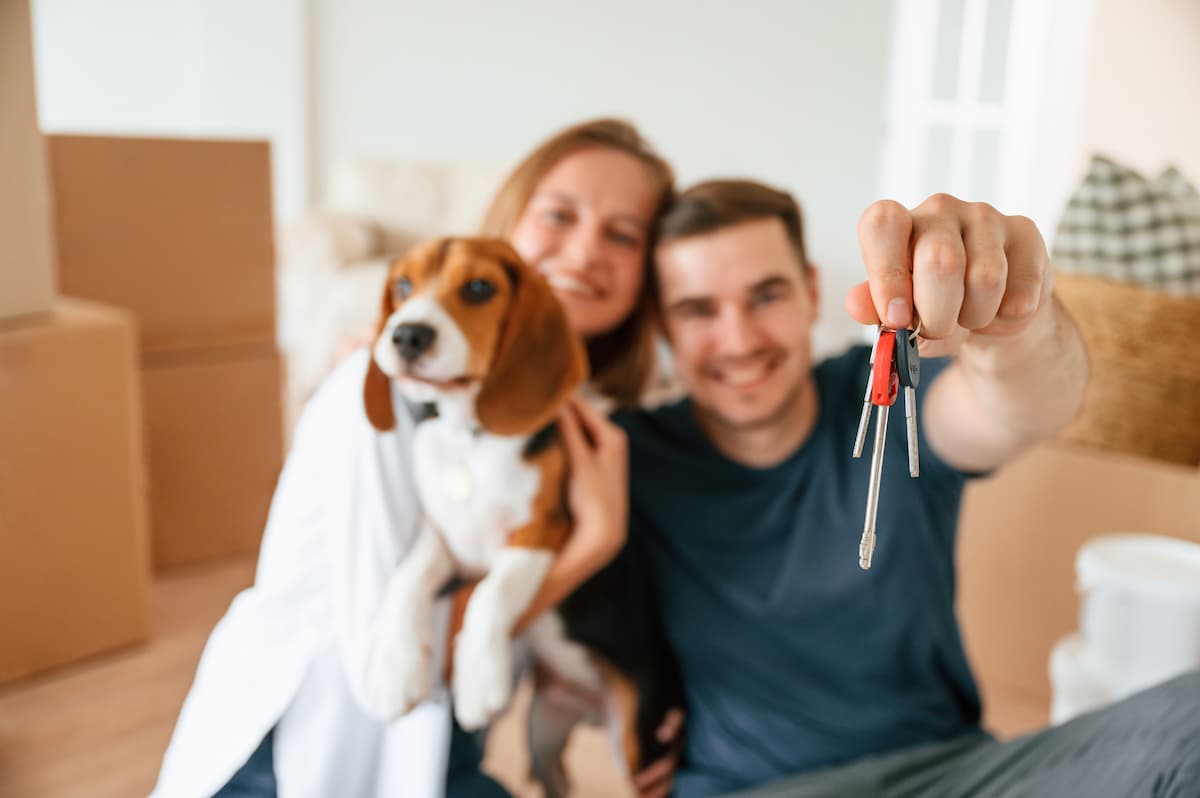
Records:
x=793, y=658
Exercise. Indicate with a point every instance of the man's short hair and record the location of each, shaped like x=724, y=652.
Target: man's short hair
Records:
x=715, y=204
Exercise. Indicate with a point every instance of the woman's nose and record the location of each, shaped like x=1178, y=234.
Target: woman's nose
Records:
x=583, y=247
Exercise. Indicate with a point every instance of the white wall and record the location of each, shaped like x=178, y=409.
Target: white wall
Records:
x=788, y=91
x=216, y=68
x=784, y=91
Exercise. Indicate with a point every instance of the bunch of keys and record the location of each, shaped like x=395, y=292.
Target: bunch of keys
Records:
x=894, y=363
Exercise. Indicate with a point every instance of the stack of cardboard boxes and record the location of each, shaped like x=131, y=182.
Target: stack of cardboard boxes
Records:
x=140, y=418
x=74, y=564
x=180, y=233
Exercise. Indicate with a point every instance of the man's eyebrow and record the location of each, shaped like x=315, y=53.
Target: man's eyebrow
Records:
x=774, y=281
x=685, y=301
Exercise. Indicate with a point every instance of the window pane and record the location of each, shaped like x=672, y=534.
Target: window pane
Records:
x=938, y=152
x=949, y=49
x=985, y=166
x=995, y=51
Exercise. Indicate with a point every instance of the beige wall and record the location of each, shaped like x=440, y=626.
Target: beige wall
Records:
x=1142, y=98
x=1019, y=533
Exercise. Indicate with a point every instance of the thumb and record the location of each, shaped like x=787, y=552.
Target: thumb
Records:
x=860, y=305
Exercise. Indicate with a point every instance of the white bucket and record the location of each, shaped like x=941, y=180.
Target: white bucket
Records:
x=1140, y=608
x=1078, y=686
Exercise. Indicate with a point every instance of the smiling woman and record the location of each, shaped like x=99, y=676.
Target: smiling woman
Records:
x=581, y=209
x=280, y=698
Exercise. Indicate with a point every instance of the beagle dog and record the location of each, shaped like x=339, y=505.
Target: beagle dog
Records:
x=468, y=327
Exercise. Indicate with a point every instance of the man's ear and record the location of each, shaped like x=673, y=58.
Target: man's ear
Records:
x=812, y=284
x=655, y=314
x=655, y=317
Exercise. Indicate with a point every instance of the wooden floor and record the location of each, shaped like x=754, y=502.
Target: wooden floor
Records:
x=98, y=729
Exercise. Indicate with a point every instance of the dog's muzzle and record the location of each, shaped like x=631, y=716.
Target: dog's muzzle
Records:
x=413, y=340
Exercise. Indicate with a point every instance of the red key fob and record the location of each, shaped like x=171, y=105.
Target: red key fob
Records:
x=885, y=382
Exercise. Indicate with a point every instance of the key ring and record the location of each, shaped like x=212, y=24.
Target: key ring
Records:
x=912, y=336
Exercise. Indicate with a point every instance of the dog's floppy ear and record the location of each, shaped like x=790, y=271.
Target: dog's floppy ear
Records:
x=377, y=387
x=539, y=359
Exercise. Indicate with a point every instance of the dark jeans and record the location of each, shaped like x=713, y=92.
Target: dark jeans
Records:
x=256, y=778
x=1146, y=745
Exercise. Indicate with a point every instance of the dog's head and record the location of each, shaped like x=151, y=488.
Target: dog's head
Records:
x=468, y=316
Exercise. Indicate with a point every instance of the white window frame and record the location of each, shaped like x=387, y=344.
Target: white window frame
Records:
x=1037, y=117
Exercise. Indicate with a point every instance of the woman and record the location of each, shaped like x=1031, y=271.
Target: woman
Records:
x=276, y=706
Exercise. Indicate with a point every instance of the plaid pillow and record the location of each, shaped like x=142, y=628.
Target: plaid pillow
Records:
x=1122, y=226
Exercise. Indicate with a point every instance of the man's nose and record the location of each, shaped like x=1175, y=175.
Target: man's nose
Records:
x=412, y=340
x=737, y=334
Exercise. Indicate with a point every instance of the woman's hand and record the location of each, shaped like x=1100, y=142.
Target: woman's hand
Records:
x=598, y=499
x=598, y=486
x=656, y=780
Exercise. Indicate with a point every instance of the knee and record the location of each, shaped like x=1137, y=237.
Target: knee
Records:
x=1177, y=700
x=1166, y=717
x=1173, y=714
x=1180, y=698
x=1186, y=687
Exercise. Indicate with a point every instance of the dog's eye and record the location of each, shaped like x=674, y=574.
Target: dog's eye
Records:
x=476, y=292
x=404, y=287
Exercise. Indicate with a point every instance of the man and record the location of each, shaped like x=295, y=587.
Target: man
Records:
x=747, y=501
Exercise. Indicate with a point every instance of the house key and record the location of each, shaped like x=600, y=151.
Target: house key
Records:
x=894, y=354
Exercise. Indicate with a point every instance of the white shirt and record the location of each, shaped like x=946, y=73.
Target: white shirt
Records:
x=290, y=653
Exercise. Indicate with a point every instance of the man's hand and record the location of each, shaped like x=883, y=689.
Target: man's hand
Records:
x=967, y=268
x=981, y=284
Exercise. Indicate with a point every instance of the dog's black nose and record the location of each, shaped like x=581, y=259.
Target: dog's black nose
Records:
x=413, y=339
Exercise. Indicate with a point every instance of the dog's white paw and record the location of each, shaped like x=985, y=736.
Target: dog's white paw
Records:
x=482, y=677
x=400, y=676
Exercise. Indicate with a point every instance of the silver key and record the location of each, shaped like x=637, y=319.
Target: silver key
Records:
x=866, y=546
x=910, y=423
x=903, y=369
x=908, y=371
x=861, y=437
x=881, y=396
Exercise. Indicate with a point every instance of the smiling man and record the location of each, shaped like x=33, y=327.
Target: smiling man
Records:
x=747, y=500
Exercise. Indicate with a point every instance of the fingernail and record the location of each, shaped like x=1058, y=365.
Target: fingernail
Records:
x=897, y=313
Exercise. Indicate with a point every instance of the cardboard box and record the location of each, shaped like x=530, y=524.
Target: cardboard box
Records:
x=27, y=254
x=180, y=232
x=74, y=559
x=1018, y=536
x=215, y=432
